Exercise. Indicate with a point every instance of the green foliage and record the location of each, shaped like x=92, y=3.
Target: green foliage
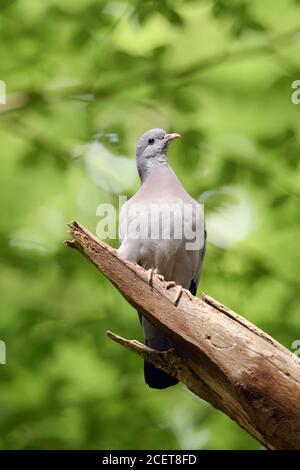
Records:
x=83, y=71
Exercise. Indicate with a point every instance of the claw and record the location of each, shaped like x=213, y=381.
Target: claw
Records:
x=150, y=276
x=178, y=294
x=170, y=284
x=188, y=293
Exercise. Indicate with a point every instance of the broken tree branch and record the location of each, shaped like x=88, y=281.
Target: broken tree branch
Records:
x=217, y=354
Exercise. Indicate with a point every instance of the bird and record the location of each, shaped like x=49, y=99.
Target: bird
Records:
x=162, y=194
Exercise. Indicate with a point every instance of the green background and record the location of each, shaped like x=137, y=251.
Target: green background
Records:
x=84, y=79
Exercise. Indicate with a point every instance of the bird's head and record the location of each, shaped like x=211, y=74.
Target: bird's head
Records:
x=152, y=146
x=154, y=143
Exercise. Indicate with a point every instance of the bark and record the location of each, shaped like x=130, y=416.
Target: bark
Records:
x=218, y=355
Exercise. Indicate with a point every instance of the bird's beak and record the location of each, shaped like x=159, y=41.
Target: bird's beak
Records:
x=170, y=137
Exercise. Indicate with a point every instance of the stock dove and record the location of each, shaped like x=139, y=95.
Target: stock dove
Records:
x=162, y=198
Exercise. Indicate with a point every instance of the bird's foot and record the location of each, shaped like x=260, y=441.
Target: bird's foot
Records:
x=170, y=284
x=150, y=273
x=178, y=294
x=188, y=293
x=180, y=291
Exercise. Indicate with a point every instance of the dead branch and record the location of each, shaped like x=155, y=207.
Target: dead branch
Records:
x=218, y=355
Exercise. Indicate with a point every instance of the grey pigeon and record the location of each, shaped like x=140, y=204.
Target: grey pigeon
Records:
x=162, y=253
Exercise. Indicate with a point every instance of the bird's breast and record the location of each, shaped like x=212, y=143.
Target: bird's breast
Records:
x=160, y=233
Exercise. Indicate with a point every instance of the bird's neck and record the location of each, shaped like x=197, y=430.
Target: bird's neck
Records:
x=147, y=165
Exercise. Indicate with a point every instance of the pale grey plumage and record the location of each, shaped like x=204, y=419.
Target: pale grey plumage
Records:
x=169, y=257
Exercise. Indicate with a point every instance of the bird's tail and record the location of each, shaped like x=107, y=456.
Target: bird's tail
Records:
x=156, y=378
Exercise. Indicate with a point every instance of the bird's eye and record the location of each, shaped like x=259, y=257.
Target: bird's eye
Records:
x=151, y=141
